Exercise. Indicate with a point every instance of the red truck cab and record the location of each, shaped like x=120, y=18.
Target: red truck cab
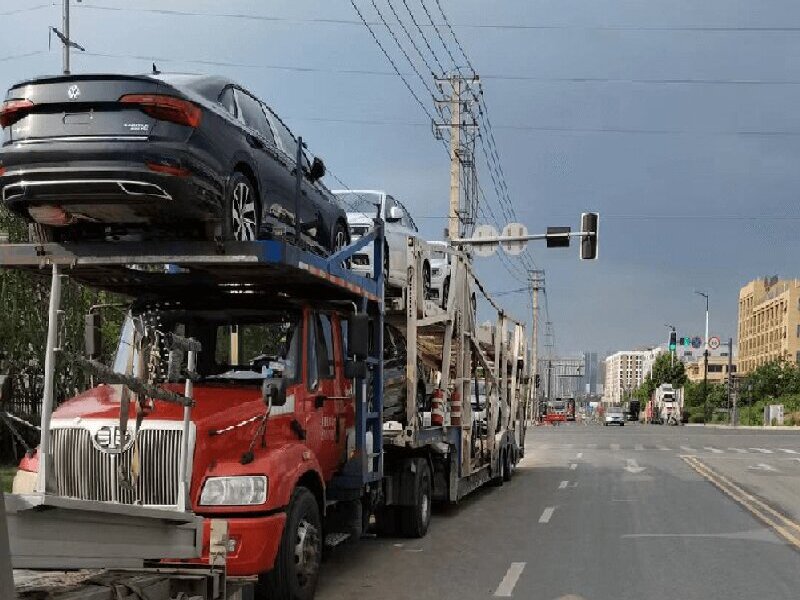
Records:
x=273, y=424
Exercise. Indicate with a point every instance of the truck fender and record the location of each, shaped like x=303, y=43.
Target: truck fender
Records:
x=287, y=467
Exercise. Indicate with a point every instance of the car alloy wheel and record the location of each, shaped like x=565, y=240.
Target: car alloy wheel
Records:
x=244, y=216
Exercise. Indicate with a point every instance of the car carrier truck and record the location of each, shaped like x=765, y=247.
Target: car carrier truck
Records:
x=239, y=428
x=666, y=405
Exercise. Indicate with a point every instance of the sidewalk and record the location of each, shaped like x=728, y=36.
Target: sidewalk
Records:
x=761, y=428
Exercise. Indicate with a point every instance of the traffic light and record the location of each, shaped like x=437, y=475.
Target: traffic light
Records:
x=673, y=341
x=589, y=222
x=536, y=380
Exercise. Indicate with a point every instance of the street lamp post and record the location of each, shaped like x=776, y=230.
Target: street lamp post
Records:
x=705, y=361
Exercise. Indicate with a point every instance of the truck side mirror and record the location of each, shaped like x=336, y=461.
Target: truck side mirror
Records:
x=92, y=337
x=5, y=388
x=273, y=393
x=355, y=369
x=317, y=170
x=358, y=335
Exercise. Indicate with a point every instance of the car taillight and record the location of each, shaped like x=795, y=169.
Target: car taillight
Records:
x=13, y=110
x=167, y=169
x=2, y=170
x=166, y=108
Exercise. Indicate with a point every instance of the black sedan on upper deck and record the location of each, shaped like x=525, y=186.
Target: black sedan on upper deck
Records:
x=115, y=156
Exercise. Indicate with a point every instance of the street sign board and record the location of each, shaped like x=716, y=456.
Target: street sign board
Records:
x=485, y=231
x=697, y=342
x=514, y=229
x=713, y=342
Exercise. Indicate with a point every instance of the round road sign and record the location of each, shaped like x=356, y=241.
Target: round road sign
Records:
x=485, y=231
x=514, y=230
x=697, y=341
x=713, y=342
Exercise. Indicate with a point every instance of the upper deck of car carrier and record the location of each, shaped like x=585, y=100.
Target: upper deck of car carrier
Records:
x=172, y=268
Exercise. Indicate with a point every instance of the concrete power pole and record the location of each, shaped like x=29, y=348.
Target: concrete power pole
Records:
x=65, y=26
x=459, y=102
x=536, y=278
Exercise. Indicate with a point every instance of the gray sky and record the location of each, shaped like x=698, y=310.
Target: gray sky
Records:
x=695, y=174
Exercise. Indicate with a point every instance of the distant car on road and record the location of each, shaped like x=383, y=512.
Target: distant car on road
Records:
x=614, y=416
x=363, y=206
x=107, y=156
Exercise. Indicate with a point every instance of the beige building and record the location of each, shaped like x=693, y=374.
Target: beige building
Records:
x=717, y=369
x=769, y=322
x=625, y=371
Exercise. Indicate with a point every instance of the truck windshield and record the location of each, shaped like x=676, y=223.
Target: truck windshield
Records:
x=246, y=346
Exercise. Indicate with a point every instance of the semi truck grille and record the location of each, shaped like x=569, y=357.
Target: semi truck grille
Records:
x=82, y=470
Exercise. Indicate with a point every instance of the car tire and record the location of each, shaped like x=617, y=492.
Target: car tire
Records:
x=242, y=218
x=416, y=519
x=445, y=292
x=296, y=570
x=426, y=280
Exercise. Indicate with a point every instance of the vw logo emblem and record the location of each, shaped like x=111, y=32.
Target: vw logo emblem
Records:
x=108, y=438
x=73, y=92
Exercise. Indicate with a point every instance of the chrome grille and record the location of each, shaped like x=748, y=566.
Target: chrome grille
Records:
x=80, y=470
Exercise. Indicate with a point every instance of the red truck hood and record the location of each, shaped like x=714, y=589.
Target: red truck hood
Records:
x=215, y=405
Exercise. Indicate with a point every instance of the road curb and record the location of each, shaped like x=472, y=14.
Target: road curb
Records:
x=763, y=428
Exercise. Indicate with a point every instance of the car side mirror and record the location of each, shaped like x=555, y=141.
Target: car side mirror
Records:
x=317, y=170
x=92, y=337
x=273, y=393
x=395, y=214
x=358, y=335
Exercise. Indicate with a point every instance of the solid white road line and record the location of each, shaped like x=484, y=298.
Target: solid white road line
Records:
x=762, y=450
x=573, y=466
x=506, y=587
x=638, y=447
x=563, y=485
x=714, y=450
x=546, y=514
x=615, y=446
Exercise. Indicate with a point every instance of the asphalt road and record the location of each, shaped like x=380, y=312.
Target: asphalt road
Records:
x=599, y=513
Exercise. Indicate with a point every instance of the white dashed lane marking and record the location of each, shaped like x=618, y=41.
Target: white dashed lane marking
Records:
x=506, y=587
x=762, y=450
x=714, y=450
x=573, y=466
x=546, y=514
x=563, y=485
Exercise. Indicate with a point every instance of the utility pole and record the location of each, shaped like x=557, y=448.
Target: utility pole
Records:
x=536, y=279
x=705, y=361
x=63, y=35
x=462, y=148
x=731, y=408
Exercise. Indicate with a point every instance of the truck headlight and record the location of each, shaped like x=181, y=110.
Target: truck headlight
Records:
x=234, y=491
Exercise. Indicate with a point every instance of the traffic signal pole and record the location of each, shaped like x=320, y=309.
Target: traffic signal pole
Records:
x=537, y=283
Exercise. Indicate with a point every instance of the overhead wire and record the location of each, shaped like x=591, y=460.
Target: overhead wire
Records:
x=411, y=39
x=422, y=34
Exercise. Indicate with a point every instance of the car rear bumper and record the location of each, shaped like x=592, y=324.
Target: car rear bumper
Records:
x=110, y=183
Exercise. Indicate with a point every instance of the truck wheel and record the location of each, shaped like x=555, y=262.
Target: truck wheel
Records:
x=387, y=521
x=508, y=467
x=416, y=519
x=294, y=576
x=498, y=479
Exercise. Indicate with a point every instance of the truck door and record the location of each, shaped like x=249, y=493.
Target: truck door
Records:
x=326, y=406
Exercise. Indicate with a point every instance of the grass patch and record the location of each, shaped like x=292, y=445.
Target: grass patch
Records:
x=6, y=478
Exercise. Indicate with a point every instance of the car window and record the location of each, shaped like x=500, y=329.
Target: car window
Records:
x=282, y=133
x=325, y=347
x=227, y=101
x=253, y=115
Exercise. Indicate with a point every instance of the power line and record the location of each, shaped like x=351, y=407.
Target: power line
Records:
x=434, y=25
x=438, y=33
x=452, y=33
x=391, y=62
x=25, y=55
x=411, y=39
x=422, y=34
x=400, y=46
x=17, y=11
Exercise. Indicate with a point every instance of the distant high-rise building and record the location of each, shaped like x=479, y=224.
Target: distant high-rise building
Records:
x=625, y=371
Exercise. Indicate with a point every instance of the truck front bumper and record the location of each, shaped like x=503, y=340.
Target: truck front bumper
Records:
x=253, y=545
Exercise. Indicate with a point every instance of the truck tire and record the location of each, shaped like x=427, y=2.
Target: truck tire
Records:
x=414, y=520
x=500, y=477
x=387, y=521
x=508, y=467
x=296, y=570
